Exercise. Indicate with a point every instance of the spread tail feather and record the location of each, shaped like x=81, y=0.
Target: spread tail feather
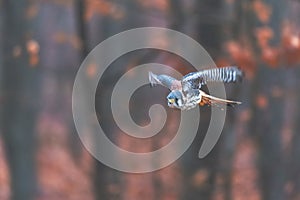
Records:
x=210, y=100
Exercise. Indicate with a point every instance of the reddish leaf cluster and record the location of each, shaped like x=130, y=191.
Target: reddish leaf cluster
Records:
x=262, y=101
x=242, y=55
x=104, y=8
x=286, y=52
x=162, y=5
x=33, y=49
x=72, y=39
x=262, y=10
x=291, y=44
x=270, y=55
x=4, y=175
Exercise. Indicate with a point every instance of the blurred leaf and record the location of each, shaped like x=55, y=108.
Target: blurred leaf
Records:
x=162, y=5
x=262, y=101
x=33, y=49
x=242, y=56
x=73, y=40
x=271, y=56
x=104, y=8
x=264, y=35
x=32, y=11
x=262, y=11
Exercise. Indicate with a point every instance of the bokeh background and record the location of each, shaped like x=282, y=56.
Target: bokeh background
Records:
x=43, y=43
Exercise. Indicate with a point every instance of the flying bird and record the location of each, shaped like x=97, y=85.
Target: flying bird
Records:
x=187, y=94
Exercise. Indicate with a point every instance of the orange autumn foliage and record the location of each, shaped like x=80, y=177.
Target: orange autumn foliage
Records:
x=62, y=37
x=263, y=36
x=285, y=52
x=262, y=11
x=271, y=56
x=162, y=5
x=33, y=49
x=104, y=8
x=242, y=55
x=262, y=101
x=291, y=44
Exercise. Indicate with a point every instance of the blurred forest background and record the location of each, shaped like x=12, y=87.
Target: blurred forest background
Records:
x=43, y=43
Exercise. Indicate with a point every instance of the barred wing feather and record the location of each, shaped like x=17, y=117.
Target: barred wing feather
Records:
x=195, y=80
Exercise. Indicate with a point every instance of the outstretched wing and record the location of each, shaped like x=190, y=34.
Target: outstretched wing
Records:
x=195, y=80
x=207, y=99
x=167, y=81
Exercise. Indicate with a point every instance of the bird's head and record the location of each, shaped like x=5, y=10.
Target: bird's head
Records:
x=175, y=99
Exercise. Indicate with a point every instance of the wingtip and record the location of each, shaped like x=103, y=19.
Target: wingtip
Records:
x=237, y=102
x=151, y=79
x=234, y=104
x=241, y=74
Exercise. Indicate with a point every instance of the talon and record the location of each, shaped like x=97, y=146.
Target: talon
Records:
x=202, y=103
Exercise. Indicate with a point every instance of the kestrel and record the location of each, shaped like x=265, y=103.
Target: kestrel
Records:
x=187, y=94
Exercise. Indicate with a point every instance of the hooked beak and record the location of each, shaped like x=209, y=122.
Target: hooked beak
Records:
x=171, y=101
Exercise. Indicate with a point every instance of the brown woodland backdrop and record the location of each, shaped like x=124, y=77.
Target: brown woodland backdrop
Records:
x=43, y=43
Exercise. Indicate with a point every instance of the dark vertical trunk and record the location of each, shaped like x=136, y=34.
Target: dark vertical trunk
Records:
x=269, y=128
x=294, y=159
x=177, y=15
x=267, y=118
x=99, y=178
x=20, y=92
x=209, y=34
x=81, y=26
x=235, y=21
x=210, y=31
x=79, y=12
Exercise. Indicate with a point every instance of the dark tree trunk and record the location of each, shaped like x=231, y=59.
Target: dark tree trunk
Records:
x=293, y=157
x=208, y=33
x=267, y=115
x=19, y=84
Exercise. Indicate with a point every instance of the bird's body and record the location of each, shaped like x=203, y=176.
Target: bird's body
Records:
x=184, y=102
x=187, y=94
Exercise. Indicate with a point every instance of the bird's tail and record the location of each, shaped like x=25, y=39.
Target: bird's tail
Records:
x=210, y=100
